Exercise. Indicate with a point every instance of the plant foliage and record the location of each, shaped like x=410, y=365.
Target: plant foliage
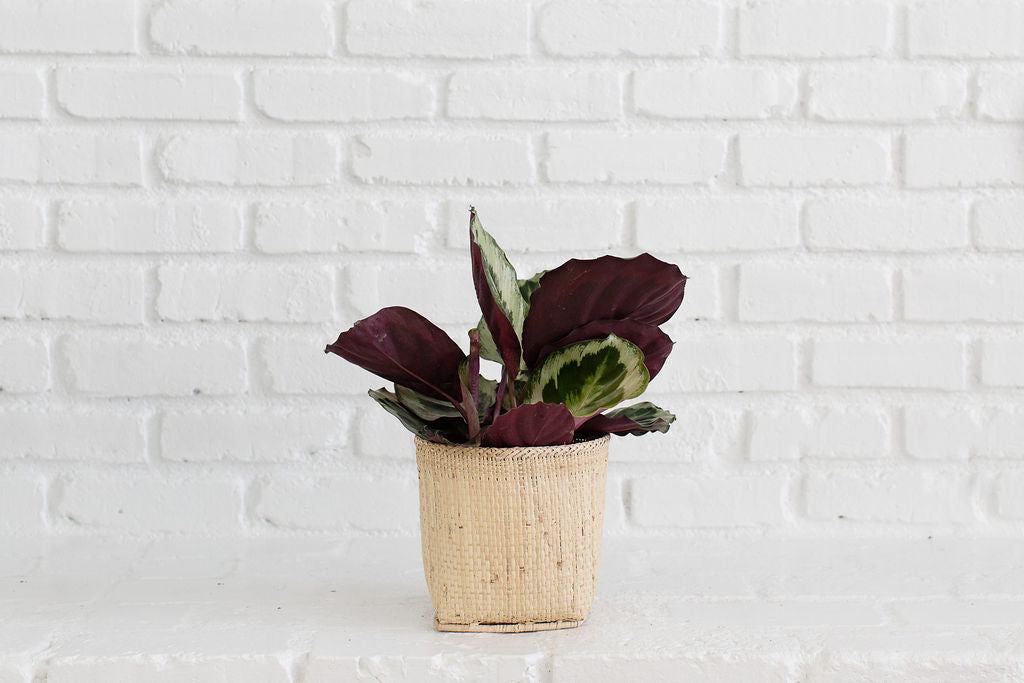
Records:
x=573, y=343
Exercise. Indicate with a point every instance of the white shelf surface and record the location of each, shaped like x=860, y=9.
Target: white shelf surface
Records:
x=668, y=609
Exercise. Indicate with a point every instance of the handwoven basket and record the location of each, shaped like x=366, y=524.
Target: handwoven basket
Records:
x=511, y=536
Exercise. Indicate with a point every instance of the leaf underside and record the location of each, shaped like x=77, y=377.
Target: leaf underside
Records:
x=391, y=343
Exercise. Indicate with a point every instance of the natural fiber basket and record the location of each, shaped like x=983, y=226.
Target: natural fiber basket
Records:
x=511, y=536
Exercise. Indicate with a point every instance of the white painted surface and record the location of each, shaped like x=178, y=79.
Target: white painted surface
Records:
x=197, y=196
x=331, y=609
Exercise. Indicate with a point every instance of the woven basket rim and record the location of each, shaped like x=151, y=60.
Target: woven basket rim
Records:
x=499, y=450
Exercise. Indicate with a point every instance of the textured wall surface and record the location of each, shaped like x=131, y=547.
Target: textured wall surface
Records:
x=196, y=196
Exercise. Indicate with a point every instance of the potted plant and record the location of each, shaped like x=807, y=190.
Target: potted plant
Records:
x=512, y=470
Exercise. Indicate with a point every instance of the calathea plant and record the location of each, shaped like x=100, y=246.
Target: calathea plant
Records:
x=573, y=342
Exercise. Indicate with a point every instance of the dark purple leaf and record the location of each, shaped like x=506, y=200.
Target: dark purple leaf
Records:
x=400, y=345
x=531, y=424
x=654, y=343
x=578, y=292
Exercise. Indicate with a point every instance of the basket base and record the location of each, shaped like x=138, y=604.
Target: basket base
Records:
x=524, y=627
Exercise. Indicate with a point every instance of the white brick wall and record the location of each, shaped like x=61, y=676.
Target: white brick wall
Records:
x=197, y=195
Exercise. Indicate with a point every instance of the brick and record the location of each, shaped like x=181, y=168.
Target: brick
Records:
x=24, y=365
x=796, y=160
x=118, y=365
x=907, y=496
x=75, y=158
x=826, y=292
x=983, y=292
x=1002, y=362
x=715, y=92
x=272, y=159
x=151, y=502
x=989, y=28
x=91, y=434
x=703, y=301
x=720, y=363
x=145, y=226
x=349, y=502
x=10, y=291
x=315, y=95
x=999, y=224
x=646, y=158
x=839, y=433
x=251, y=436
x=918, y=362
x=717, y=224
x=812, y=29
x=378, y=434
x=149, y=93
x=886, y=93
x=575, y=28
x=885, y=224
x=431, y=159
x=445, y=28
x=541, y=225
x=1000, y=95
x=275, y=293
x=1003, y=436
x=943, y=432
x=699, y=434
x=24, y=93
x=707, y=501
x=258, y=27
x=108, y=294
x=297, y=364
x=535, y=95
x=22, y=224
x=437, y=291
x=1009, y=503
x=21, y=503
x=945, y=158
x=95, y=27
x=340, y=226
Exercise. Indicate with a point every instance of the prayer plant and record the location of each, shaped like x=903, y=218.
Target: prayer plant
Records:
x=573, y=342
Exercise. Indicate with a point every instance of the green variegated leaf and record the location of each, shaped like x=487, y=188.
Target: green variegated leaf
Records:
x=501, y=277
x=411, y=421
x=488, y=392
x=530, y=285
x=497, y=292
x=488, y=349
x=589, y=376
x=425, y=407
x=637, y=419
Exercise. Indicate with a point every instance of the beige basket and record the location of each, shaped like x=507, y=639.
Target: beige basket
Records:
x=511, y=536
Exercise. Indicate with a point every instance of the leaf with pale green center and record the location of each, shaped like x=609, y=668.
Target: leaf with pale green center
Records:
x=589, y=376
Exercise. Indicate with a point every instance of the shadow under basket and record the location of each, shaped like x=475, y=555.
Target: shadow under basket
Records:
x=511, y=536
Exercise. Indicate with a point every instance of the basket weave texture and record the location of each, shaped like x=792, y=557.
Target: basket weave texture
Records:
x=511, y=536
